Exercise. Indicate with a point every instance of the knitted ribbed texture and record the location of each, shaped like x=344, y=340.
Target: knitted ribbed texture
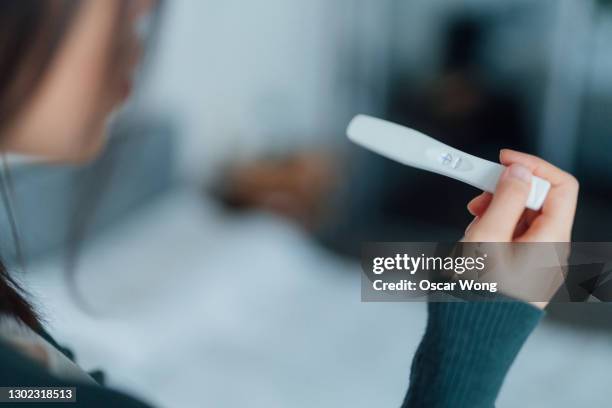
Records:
x=466, y=352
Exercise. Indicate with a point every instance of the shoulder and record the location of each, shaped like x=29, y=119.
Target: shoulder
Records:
x=17, y=370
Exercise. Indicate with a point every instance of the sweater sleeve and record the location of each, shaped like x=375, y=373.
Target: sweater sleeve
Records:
x=466, y=352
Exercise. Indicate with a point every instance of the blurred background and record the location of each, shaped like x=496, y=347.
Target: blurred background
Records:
x=210, y=257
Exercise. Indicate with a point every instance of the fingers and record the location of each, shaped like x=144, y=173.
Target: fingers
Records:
x=555, y=222
x=470, y=225
x=502, y=217
x=537, y=166
x=505, y=209
x=525, y=222
x=479, y=204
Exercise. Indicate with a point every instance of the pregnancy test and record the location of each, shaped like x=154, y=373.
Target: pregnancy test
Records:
x=412, y=148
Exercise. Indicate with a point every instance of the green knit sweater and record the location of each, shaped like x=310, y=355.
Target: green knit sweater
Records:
x=467, y=351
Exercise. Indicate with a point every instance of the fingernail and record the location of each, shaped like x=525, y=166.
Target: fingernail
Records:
x=518, y=172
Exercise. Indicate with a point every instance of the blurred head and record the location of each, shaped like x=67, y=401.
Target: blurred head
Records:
x=65, y=66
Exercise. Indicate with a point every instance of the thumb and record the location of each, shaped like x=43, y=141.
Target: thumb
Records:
x=498, y=222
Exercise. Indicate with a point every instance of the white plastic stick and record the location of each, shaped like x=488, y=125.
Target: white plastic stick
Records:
x=412, y=148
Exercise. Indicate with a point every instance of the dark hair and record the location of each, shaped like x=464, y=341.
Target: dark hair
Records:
x=30, y=34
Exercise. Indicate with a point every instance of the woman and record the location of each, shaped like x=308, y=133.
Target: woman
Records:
x=65, y=65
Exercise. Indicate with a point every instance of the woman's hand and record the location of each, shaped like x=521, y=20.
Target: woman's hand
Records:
x=502, y=217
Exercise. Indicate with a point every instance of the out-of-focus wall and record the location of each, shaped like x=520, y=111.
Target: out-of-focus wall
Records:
x=246, y=77
x=554, y=55
x=418, y=30
x=517, y=52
